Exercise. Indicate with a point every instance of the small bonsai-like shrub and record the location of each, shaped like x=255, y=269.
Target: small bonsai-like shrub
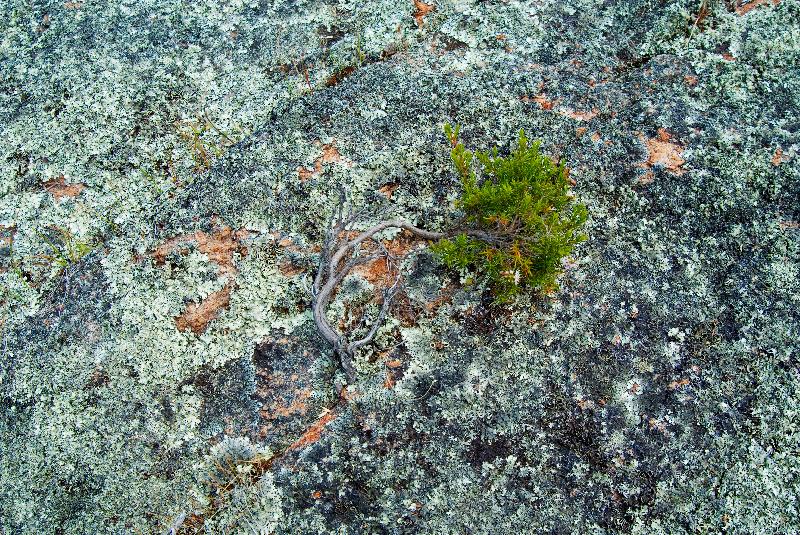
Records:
x=519, y=218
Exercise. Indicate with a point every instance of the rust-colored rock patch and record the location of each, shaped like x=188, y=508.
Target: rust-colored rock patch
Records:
x=390, y=380
x=330, y=154
x=219, y=246
x=339, y=75
x=387, y=190
x=662, y=151
x=445, y=297
x=779, y=157
x=297, y=407
x=284, y=389
x=581, y=115
x=674, y=385
x=58, y=188
x=541, y=99
x=313, y=433
x=7, y=235
x=197, y=316
x=379, y=272
x=288, y=269
x=743, y=8
x=421, y=9
x=382, y=272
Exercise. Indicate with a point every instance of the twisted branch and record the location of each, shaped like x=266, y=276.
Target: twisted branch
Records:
x=338, y=258
x=340, y=255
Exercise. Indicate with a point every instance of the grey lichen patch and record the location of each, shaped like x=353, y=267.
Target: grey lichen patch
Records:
x=237, y=492
x=654, y=393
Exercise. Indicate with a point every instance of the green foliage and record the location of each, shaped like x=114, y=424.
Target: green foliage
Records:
x=66, y=248
x=202, y=144
x=520, y=219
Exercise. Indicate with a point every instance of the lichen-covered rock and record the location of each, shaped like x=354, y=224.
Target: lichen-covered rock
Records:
x=167, y=171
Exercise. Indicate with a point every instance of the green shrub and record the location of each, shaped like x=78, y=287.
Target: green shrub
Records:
x=519, y=218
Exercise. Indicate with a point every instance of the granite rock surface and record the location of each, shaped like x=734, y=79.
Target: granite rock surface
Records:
x=167, y=171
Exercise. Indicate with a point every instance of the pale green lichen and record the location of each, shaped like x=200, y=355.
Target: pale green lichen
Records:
x=687, y=286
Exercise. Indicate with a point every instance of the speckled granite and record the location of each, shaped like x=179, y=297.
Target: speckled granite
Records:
x=166, y=173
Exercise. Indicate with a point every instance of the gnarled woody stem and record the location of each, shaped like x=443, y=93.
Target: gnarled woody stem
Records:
x=333, y=268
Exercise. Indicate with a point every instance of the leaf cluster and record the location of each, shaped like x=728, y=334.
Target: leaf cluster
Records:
x=519, y=221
